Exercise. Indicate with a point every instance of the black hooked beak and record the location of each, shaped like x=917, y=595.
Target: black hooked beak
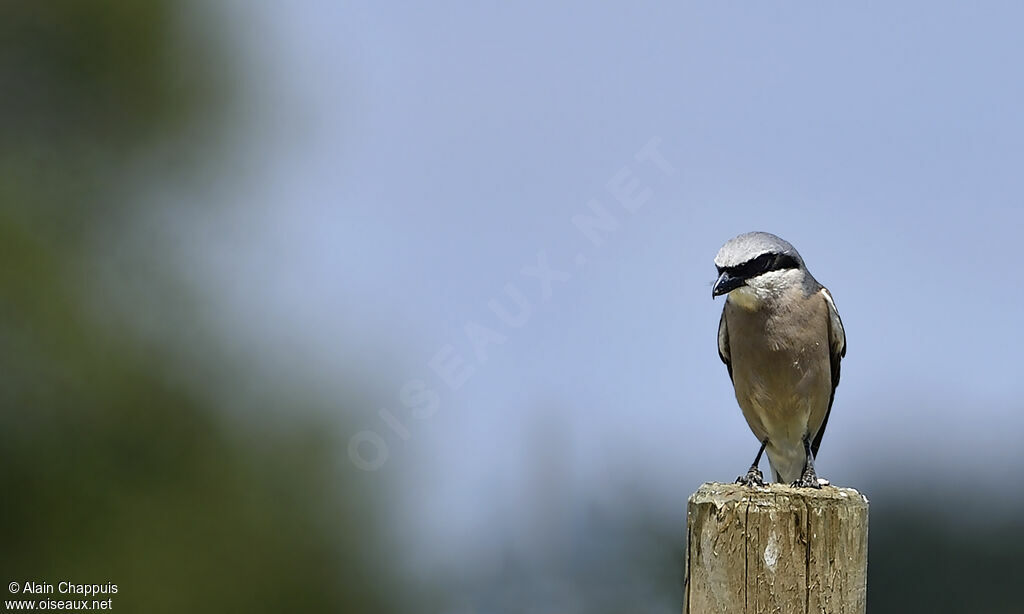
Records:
x=726, y=283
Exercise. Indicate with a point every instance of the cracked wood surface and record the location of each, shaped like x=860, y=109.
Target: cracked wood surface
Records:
x=776, y=549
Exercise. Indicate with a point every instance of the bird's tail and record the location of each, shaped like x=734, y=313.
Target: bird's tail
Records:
x=787, y=467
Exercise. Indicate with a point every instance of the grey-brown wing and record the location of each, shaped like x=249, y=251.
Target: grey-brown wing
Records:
x=723, y=343
x=837, y=350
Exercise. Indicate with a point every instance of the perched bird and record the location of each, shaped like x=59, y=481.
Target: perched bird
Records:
x=781, y=339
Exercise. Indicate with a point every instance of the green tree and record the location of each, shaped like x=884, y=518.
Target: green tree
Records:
x=111, y=470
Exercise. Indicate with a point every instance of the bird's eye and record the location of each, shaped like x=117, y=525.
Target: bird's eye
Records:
x=784, y=261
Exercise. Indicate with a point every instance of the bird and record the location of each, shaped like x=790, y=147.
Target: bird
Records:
x=782, y=341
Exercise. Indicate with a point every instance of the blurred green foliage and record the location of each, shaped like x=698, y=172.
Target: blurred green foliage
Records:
x=965, y=557
x=86, y=88
x=110, y=469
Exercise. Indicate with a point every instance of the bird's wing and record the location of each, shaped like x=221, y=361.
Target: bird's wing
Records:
x=837, y=350
x=723, y=343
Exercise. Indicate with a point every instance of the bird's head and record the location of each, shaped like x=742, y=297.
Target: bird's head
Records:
x=757, y=263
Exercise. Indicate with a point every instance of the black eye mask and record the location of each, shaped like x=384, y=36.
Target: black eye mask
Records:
x=760, y=265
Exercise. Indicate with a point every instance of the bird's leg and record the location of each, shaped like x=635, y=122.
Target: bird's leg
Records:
x=754, y=477
x=809, y=479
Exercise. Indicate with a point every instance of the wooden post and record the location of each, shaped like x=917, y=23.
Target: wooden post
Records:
x=776, y=549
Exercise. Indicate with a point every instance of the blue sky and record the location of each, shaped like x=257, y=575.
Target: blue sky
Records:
x=404, y=162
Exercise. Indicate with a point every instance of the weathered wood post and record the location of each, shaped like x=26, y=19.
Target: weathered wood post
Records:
x=776, y=549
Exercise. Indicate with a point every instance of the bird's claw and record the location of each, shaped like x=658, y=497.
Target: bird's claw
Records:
x=810, y=480
x=754, y=477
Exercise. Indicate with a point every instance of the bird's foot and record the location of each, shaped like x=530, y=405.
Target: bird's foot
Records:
x=810, y=480
x=754, y=477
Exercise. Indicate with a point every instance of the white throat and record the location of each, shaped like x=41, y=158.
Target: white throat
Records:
x=752, y=295
x=746, y=297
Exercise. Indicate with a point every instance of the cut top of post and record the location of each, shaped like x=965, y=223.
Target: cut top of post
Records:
x=720, y=494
